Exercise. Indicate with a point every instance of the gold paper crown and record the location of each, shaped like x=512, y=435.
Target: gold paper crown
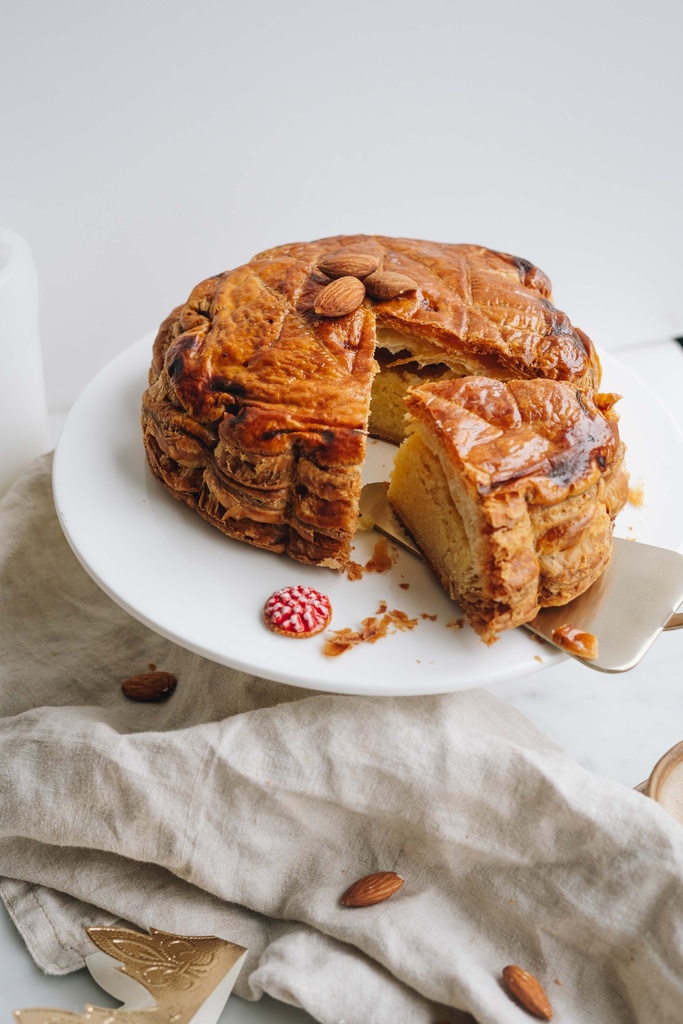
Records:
x=162, y=978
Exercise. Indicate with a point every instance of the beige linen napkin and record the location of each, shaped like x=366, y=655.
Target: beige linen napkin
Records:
x=244, y=808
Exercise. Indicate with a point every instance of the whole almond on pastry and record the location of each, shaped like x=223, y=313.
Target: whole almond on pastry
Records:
x=372, y=889
x=149, y=686
x=386, y=284
x=528, y=991
x=349, y=264
x=340, y=297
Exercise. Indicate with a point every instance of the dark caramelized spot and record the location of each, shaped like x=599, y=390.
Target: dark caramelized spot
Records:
x=523, y=266
x=231, y=390
x=313, y=373
x=541, y=432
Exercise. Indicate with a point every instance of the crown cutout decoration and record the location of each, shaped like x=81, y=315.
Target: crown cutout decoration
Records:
x=160, y=978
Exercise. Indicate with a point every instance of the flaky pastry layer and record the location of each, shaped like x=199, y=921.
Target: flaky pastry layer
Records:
x=511, y=490
x=257, y=408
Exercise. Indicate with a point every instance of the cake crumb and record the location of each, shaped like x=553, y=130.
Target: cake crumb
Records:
x=372, y=629
x=636, y=495
x=366, y=522
x=537, y=657
x=330, y=563
x=382, y=558
x=426, y=615
x=455, y=624
x=576, y=641
x=404, y=586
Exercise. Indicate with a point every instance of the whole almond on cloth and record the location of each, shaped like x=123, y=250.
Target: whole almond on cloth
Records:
x=386, y=284
x=528, y=991
x=349, y=264
x=340, y=297
x=372, y=889
x=149, y=686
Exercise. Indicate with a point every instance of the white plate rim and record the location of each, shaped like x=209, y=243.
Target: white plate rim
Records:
x=359, y=671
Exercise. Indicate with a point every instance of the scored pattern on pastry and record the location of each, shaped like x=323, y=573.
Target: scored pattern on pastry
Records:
x=258, y=408
x=522, y=481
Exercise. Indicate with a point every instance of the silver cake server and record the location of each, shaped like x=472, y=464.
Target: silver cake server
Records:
x=635, y=598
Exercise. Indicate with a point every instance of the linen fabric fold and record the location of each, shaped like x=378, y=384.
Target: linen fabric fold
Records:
x=244, y=808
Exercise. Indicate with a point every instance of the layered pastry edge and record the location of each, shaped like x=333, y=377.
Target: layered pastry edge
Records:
x=511, y=490
x=258, y=408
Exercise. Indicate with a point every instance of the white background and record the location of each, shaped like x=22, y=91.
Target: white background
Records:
x=146, y=144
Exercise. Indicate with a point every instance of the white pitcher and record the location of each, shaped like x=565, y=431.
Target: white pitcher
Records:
x=24, y=429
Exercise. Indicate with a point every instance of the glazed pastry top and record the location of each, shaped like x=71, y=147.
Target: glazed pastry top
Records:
x=544, y=438
x=248, y=343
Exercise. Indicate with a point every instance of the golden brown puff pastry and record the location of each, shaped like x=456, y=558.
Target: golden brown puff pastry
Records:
x=257, y=408
x=511, y=490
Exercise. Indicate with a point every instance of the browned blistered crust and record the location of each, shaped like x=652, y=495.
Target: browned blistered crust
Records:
x=535, y=468
x=257, y=408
